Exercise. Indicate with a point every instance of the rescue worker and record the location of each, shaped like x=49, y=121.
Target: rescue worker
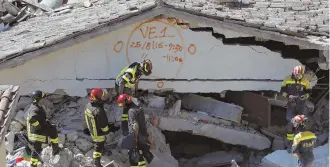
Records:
x=140, y=153
x=39, y=128
x=297, y=89
x=126, y=80
x=303, y=142
x=97, y=123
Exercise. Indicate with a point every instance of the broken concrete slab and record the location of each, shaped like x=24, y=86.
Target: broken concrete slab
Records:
x=20, y=117
x=83, y=144
x=281, y=158
x=214, y=159
x=15, y=126
x=163, y=160
x=322, y=138
x=234, y=136
x=156, y=102
x=175, y=109
x=23, y=102
x=63, y=159
x=278, y=144
x=213, y=107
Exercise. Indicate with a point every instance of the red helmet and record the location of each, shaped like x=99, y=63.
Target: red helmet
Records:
x=299, y=120
x=298, y=72
x=124, y=99
x=96, y=94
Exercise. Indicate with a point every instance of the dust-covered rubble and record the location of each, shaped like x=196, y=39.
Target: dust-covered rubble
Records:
x=67, y=114
x=162, y=113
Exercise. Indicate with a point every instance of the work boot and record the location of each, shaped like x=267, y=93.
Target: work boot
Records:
x=56, y=149
x=97, y=162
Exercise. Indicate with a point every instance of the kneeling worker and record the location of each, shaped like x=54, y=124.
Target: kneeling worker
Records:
x=39, y=128
x=137, y=129
x=303, y=142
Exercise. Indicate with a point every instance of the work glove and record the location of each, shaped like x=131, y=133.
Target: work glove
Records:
x=291, y=98
x=113, y=127
x=303, y=97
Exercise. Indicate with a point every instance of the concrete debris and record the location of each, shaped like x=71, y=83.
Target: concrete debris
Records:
x=156, y=102
x=80, y=160
x=163, y=160
x=209, y=118
x=20, y=117
x=52, y=4
x=84, y=145
x=175, y=109
x=232, y=136
x=284, y=159
x=87, y=3
x=322, y=138
x=63, y=159
x=23, y=102
x=72, y=136
x=61, y=138
x=278, y=144
x=15, y=126
x=9, y=144
x=213, y=107
x=214, y=159
x=254, y=159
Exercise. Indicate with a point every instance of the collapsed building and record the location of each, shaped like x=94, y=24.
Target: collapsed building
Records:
x=221, y=61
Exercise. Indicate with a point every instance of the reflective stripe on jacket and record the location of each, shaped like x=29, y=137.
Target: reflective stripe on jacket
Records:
x=303, y=143
x=96, y=121
x=131, y=70
x=35, y=122
x=293, y=87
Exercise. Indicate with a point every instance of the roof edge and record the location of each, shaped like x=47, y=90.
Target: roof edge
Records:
x=287, y=37
x=109, y=22
x=147, y=12
x=301, y=34
x=10, y=113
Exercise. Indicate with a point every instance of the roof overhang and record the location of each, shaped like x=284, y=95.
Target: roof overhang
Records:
x=148, y=13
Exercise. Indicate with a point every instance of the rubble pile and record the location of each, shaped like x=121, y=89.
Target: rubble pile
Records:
x=194, y=114
x=67, y=113
x=15, y=11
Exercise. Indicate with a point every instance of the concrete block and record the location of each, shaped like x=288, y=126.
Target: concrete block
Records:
x=20, y=117
x=175, y=110
x=15, y=126
x=177, y=125
x=278, y=144
x=218, y=158
x=156, y=102
x=213, y=107
x=224, y=134
x=283, y=159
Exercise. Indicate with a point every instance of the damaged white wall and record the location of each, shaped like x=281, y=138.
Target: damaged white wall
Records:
x=177, y=53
